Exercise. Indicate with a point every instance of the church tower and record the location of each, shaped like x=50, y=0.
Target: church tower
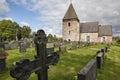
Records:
x=71, y=25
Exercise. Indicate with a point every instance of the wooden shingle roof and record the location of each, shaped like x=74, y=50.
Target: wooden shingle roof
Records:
x=70, y=14
x=89, y=27
x=105, y=30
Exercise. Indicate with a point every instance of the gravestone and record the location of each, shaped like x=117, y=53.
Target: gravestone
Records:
x=73, y=45
x=89, y=72
x=6, y=46
x=62, y=48
x=40, y=65
x=57, y=44
x=27, y=44
x=106, y=48
x=33, y=44
x=99, y=59
x=50, y=45
x=50, y=50
x=78, y=44
x=103, y=51
x=1, y=45
x=2, y=65
x=22, y=48
x=14, y=45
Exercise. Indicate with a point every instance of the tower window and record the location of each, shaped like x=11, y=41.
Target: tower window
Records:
x=69, y=24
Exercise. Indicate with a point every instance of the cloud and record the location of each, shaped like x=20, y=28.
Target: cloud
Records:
x=51, y=12
x=24, y=24
x=4, y=8
x=6, y=18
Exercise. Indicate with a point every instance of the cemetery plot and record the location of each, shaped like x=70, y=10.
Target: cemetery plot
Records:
x=66, y=69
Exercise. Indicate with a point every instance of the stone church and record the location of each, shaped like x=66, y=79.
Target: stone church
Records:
x=74, y=30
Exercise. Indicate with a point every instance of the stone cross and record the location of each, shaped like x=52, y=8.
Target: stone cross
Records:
x=23, y=69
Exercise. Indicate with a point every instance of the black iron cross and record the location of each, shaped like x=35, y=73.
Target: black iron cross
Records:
x=23, y=69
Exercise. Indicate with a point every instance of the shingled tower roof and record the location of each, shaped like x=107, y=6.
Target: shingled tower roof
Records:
x=70, y=14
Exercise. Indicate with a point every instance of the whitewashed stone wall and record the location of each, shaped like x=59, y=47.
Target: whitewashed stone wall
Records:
x=93, y=37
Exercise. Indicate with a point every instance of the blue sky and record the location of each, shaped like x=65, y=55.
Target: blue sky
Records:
x=48, y=14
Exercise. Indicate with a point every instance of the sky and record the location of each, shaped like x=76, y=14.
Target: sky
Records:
x=48, y=14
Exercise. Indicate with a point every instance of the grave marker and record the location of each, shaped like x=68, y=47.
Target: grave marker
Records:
x=23, y=69
x=22, y=48
x=62, y=48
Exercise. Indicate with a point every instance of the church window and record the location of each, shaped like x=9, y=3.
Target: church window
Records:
x=103, y=39
x=69, y=24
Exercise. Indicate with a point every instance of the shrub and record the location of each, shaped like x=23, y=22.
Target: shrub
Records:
x=3, y=55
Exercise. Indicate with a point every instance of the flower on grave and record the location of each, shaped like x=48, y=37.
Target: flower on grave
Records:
x=3, y=55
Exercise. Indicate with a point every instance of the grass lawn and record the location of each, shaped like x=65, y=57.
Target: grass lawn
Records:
x=70, y=63
x=111, y=66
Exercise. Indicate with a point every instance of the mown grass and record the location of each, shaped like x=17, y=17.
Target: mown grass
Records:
x=111, y=66
x=70, y=63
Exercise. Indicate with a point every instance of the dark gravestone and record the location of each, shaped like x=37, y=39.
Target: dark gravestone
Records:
x=22, y=47
x=89, y=72
x=106, y=48
x=100, y=58
x=2, y=65
x=40, y=65
x=62, y=48
x=103, y=51
x=50, y=50
x=78, y=44
x=1, y=45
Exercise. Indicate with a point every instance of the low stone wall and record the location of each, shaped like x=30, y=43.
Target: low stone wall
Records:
x=89, y=72
x=99, y=59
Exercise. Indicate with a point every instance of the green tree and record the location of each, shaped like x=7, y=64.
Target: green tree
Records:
x=25, y=32
x=50, y=37
x=8, y=29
